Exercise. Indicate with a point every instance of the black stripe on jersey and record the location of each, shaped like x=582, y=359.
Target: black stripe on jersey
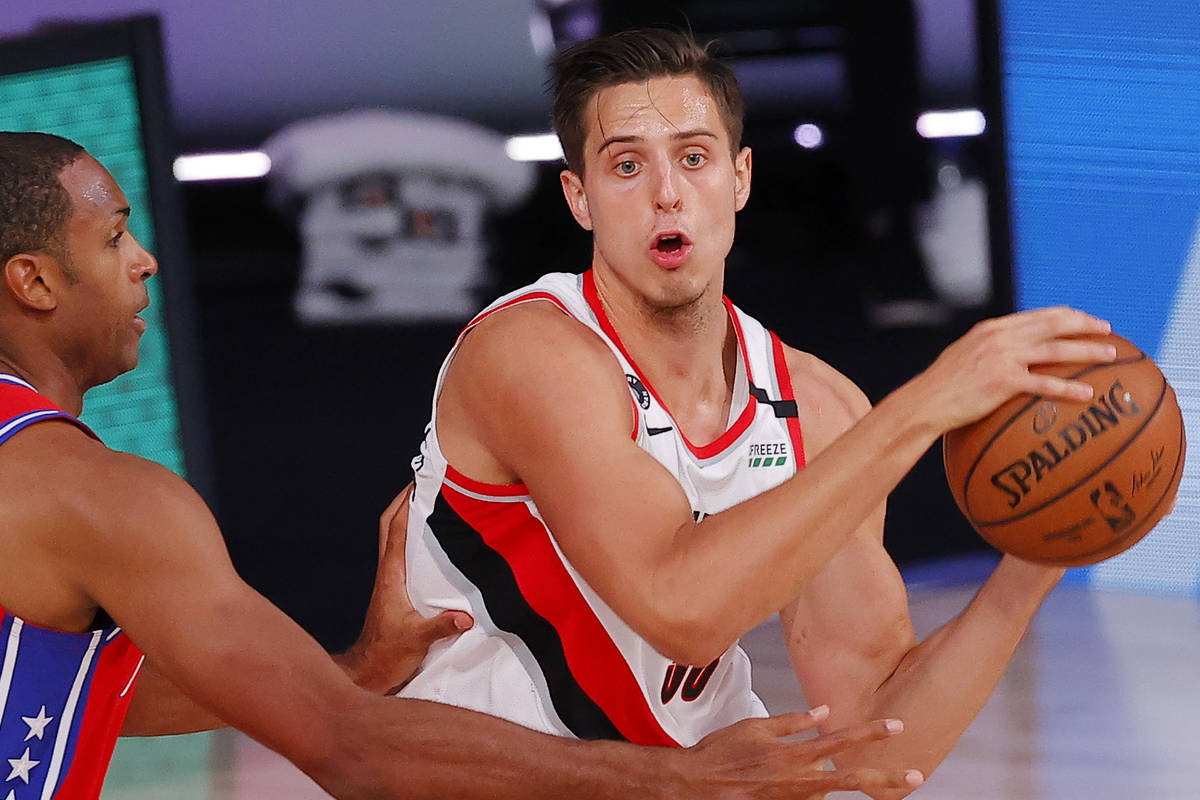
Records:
x=488, y=570
x=783, y=408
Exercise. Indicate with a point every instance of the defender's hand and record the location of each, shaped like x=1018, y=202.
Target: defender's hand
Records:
x=395, y=638
x=756, y=758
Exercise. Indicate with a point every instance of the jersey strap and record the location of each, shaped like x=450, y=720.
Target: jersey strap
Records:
x=21, y=405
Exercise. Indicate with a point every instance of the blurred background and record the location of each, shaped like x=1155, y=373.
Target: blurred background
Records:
x=333, y=189
x=321, y=293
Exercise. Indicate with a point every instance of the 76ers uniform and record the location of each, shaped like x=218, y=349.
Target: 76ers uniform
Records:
x=546, y=651
x=63, y=696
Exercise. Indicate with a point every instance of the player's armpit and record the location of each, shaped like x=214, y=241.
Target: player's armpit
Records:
x=160, y=708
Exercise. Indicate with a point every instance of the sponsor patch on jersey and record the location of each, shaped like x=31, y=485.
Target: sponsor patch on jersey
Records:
x=640, y=393
x=768, y=454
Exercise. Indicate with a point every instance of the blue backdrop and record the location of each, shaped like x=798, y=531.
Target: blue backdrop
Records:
x=1102, y=108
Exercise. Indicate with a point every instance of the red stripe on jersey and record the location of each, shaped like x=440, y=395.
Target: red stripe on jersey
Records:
x=785, y=391
x=741, y=339
x=525, y=298
x=700, y=451
x=102, y=719
x=17, y=400
x=490, y=489
x=595, y=662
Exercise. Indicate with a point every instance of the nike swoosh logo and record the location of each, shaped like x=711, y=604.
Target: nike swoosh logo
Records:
x=657, y=431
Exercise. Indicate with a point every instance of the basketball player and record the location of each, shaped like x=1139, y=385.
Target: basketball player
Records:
x=105, y=556
x=625, y=473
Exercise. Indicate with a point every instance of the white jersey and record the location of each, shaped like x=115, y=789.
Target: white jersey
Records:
x=546, y=651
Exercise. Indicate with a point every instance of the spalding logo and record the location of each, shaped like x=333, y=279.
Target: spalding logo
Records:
x=639, y=391
x=1018, y=478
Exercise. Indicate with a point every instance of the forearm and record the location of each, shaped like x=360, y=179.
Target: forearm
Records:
x=428, y=750
x=798, y=527
x=941, y=684
x=160, y=708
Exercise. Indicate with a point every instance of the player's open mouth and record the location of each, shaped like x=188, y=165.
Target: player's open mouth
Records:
x=670, y=249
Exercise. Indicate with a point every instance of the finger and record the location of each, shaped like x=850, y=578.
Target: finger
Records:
x=866, y=778
x=1071, y=351
x=396, y=512
x=794, y=722
x=1058, y=321
x=827, y=744
x=1054, y=387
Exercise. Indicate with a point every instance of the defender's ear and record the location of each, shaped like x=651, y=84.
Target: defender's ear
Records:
x=741, y=171
x=25, y=277
x=572, y=186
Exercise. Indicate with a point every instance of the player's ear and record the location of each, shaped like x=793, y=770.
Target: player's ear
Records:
x=741, y=175
x=25, y=277
x=572, y=186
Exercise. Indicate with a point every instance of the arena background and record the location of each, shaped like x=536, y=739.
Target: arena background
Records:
x=301, y=434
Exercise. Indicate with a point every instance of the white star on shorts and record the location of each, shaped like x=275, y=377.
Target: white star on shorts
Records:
x=21, y=766
x=37, y=725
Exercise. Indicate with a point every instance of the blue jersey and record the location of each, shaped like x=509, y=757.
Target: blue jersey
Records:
x=63, y=696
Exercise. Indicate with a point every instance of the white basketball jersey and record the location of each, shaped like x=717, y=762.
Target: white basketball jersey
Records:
x=546, y=651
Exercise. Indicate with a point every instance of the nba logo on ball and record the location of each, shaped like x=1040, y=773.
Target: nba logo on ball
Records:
x=1071, y=484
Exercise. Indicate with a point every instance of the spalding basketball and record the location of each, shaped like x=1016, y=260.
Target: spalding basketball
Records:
x=1068, y=483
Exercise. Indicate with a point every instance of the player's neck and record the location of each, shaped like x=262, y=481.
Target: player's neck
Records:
x=48, y=375
x=688, y=354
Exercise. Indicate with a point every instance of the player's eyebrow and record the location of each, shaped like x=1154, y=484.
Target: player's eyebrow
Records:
x=123, y=212
x=677, y=136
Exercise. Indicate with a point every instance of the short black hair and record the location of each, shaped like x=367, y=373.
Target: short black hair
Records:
x=635, y=56
x=34, y=206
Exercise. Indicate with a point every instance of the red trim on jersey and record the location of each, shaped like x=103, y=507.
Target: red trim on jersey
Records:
x=102, y=720
x=741, y=339
x=17, y=400
x=525, y=298
x=785, y=393
x=479, y=487
x=700, y=451
x=595, y=662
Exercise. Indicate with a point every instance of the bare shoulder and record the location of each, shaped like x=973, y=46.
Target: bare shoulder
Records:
x=533, y=332
x=539, y=356
x=73, y=508
x=829, y=403
x=518, y=386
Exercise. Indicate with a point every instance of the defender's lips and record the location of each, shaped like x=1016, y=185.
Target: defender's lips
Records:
x=138, y=322
x=670, y=249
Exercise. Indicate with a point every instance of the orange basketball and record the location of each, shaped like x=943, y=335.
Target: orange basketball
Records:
x=1067, y=483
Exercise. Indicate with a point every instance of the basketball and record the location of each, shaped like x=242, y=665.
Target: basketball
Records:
x=1071, y=484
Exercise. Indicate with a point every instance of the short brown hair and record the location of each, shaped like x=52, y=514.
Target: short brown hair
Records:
x=33, y=203
x=633, y=56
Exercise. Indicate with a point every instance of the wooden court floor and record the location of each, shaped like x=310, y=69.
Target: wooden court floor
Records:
x=1102, y=702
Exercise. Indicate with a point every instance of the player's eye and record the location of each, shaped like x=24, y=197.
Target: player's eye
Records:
x=116, y=240
x=627, y=167
x=694, y=159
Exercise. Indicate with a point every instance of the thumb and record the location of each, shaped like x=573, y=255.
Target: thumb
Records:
x=445, y=625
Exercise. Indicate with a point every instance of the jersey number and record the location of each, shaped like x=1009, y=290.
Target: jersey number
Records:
x=692, y=679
